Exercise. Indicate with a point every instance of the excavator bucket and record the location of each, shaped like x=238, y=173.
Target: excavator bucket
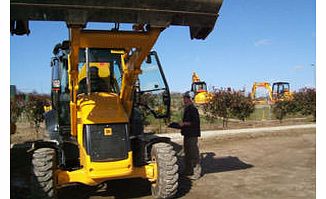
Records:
x=199, y=15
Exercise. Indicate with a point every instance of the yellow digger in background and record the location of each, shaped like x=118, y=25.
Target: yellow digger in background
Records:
x=99, y=80
x=201, y=94
x=280, y=91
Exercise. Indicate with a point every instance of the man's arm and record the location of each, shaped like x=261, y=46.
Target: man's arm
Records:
x=184, y=124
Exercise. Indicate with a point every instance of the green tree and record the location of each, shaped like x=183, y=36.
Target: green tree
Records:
x=34, y=109
x=228, y=103
x=242, y=106
x=305, y=101
x=16, y=109
x=281, y=108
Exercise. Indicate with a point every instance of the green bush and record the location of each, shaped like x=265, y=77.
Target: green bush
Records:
x=16, y=110
x=282, y=108
x=229, y=103
x=303, y=102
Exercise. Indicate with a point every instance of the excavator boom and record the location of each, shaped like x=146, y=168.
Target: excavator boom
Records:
x=199, y=15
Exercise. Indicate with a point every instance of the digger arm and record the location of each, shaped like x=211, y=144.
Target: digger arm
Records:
x=265, y=85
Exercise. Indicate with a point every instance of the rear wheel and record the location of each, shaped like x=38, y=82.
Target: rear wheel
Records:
x=167, y=171
x=43, y=173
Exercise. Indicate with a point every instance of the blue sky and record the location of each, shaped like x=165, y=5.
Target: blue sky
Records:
x=256, y=40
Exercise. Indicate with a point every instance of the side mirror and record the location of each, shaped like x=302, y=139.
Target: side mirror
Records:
x=56, y=49
x=148, y=59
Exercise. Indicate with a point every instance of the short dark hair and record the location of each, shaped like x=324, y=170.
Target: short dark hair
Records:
x=188, y=95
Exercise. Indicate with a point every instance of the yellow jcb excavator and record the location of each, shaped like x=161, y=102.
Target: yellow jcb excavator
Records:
x=280, y=91
x=202, y=96
x=99, y=78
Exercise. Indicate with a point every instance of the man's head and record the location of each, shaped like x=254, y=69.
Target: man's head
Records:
x=187, y=98
x=93, y=72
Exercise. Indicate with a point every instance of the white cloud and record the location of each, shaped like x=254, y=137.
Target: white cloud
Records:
x=298, y=68
x=263, y=42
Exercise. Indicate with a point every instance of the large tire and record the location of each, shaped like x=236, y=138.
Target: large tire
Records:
x=44, y=164
x=166, y=184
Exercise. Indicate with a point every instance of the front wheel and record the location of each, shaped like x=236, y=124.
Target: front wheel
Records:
x=166, y=184
x=43, y=173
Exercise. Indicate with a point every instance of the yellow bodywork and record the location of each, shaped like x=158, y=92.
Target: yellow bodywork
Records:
x=203, y=97
x=105, y=107
x=94, y=173
x=99, y=108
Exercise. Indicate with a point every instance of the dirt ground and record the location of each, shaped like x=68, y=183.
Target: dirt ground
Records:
x=274, y=165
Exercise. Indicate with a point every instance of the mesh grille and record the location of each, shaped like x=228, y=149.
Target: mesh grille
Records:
x=110, y=147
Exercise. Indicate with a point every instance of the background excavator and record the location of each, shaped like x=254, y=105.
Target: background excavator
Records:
x=280, y=91
x=202, y=96
x=100, y=78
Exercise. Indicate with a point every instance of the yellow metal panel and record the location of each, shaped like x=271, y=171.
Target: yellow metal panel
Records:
x=202, y=97
x=73, y=76
x=101, y=108
x=94, y=173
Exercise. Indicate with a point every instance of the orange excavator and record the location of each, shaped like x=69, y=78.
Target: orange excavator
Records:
x=94, y=131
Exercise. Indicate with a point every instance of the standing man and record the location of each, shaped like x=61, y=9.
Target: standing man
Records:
x=190, y=129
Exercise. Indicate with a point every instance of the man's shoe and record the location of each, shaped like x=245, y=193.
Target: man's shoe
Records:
x=194, y=177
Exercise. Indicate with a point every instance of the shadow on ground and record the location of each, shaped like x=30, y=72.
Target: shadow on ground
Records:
x=212, y=164
x=127, y=188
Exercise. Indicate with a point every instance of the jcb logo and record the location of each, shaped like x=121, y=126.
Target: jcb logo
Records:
x=107, y=131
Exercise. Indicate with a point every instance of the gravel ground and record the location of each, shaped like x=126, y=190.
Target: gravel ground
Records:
x=270, y=163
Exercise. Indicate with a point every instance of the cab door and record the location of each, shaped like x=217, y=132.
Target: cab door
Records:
x=152, y=90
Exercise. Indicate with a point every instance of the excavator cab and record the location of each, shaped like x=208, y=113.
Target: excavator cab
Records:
x=104, y=69
x=281, y=91
x=198, y=87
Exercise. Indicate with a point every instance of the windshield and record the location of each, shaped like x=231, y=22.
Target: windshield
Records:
x=104, y=71
x=199, y=87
